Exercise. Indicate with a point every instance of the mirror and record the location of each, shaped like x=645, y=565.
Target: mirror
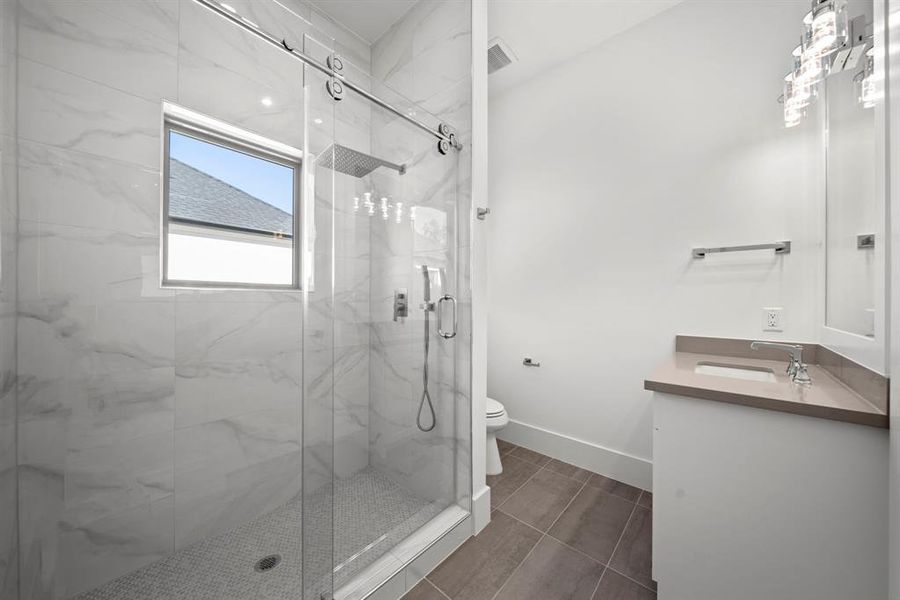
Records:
x=854, y=211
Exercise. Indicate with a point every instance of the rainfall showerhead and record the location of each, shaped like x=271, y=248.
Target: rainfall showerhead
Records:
x=352, y=162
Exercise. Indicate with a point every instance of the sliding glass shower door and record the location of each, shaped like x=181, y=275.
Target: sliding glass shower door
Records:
x=386, y=335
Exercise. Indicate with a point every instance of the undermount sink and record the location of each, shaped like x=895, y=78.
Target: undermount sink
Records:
x=736, y=372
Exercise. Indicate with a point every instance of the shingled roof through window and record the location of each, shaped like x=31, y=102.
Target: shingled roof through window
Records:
x=199, y=197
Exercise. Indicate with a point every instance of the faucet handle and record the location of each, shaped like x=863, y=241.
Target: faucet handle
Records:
x=801, y=375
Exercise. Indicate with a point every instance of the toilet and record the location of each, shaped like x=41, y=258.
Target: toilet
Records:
x=497, y=419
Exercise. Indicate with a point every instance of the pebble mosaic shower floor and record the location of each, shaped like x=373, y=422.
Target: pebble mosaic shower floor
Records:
x=371, y=515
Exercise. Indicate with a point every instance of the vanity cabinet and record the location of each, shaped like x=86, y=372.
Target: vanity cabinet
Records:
x=755, y=504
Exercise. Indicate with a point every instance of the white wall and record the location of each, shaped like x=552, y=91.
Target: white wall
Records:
x=605, y=172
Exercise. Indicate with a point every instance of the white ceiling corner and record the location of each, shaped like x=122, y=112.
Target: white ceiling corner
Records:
x=369, y=19
x=545, y=33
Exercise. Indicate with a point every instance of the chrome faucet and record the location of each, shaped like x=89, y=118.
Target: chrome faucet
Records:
x=796, y=369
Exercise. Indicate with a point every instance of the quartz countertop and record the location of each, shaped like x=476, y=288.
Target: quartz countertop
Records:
x=826, y=398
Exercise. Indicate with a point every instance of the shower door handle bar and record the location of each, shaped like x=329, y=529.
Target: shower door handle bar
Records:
x=440, y=319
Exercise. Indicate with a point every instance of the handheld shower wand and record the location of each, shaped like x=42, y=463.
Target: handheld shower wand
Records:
x=427, y=306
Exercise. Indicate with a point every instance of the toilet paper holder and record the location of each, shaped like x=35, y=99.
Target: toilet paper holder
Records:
x=528, y=362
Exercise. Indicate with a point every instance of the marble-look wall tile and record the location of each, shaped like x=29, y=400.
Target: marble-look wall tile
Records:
x=351, y=409
x=124, y=266
x=427, y=51
x=92, y=43
x=9, y=490
x=225, y=72
x=8, y=456
x=9, y=539
x=9, y=217
x=238, y=391
x=230, y=471
x=235, y=358
x=425, y=57
x=283, y=20
x=157, y=17
x=92, y=554
x=41, y=506
x=65, y=187
x=74, y=113
x=103, y=481
x=116, y=408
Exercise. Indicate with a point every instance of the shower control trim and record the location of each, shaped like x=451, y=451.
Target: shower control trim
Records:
x=401, y=304
x=440, y=321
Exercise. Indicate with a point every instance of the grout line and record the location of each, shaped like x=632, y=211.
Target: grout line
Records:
x=616, y=547
x=518, y=566
x=513, y=493
x=597, y=587
x=543, y=535
x=638, y=501
x=624, y=529
x=588, y=556
x=541, y=468
x=553, y=538
x=631, y=579
x=434, y=585
x=562, y=512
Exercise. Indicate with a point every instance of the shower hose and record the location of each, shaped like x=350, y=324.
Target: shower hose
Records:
x=426, y=397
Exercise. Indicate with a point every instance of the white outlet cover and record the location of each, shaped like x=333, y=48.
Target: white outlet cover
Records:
x=773, y=318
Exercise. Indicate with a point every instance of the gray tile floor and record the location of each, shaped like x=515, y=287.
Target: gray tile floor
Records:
x=557, y=532
x=371, y=515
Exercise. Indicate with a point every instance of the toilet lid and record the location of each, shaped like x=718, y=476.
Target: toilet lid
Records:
x=494, y=408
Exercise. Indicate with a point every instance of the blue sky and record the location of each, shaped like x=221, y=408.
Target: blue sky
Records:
x=268, y=181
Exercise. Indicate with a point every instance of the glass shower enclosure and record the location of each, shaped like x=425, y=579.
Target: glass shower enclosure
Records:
x=194, y=434
x=386, y=416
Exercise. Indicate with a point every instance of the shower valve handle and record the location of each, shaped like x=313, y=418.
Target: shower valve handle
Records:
x=446, y=334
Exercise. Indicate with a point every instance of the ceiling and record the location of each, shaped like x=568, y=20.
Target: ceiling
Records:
x=544, y=33
x=541, y=33
x=369, y=19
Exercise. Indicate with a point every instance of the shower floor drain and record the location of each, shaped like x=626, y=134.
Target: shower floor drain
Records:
x=267, y=563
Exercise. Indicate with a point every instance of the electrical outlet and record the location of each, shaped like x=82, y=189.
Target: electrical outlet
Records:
x=773, y=319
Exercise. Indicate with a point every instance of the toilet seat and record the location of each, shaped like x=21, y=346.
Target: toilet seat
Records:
x=494, y=408
x=496, y=420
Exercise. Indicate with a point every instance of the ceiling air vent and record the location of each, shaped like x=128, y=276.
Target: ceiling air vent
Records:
x=499, y=55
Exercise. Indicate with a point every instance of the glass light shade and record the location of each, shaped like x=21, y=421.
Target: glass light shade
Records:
x=792, y=117
x=797, y=92
x=868, y=85
x=812, y=69
x=824, y=32
x=868, y=92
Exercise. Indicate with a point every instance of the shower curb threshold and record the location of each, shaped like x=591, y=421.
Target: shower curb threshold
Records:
x=382, y=571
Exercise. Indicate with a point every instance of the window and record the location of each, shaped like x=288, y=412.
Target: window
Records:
x=231, y=210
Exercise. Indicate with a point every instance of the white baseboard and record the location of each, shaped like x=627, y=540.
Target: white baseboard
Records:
x=612, y=463
x=481, y=509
